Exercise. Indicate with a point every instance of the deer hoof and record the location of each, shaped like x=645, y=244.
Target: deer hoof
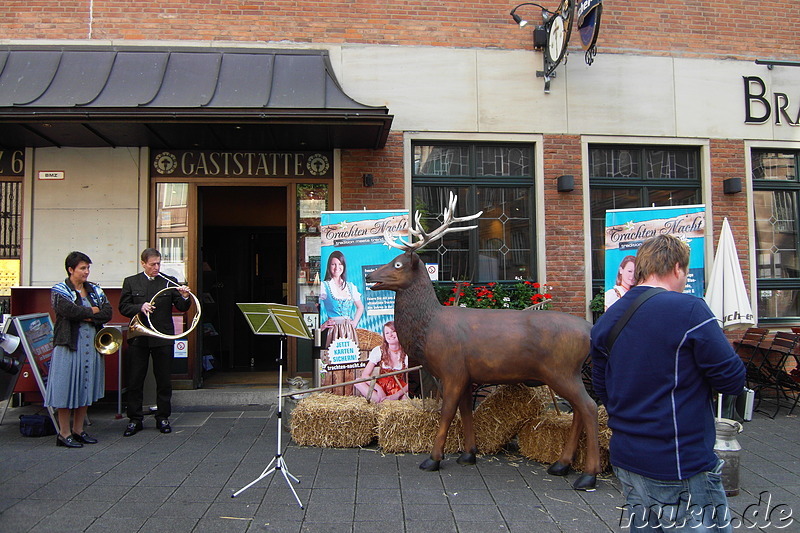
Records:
x=585, y=482
x=467, y=458
x=429, y=465
x=558, y=469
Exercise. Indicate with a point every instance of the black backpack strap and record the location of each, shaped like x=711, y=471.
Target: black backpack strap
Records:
x=623, y=320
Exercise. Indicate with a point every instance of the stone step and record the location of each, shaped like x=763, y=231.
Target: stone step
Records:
x=225, y=397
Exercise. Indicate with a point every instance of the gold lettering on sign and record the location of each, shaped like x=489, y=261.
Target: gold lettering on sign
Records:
x=230, y=164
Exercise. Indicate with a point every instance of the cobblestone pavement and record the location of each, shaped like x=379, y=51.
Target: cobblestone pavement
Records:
x=183, y=481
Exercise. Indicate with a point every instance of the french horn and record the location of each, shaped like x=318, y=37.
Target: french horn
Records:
x=136, y=328
x=108, y=340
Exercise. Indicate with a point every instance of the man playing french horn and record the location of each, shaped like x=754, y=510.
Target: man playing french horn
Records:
x=136, y=298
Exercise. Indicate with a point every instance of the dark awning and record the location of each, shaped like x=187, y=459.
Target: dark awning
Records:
x=180, y=98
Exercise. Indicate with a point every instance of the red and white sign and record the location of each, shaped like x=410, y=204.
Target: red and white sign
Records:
x=181, y=349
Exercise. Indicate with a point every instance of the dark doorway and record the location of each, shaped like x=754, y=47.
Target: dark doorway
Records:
x=243, y=246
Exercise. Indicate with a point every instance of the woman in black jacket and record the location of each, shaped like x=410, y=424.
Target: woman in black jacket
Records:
x=77, y=374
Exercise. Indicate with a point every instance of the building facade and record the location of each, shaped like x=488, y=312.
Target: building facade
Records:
x=217, y=131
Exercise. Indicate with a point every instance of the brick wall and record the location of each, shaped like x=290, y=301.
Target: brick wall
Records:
x=386, y=166
x=692, y=28
x=728, y=161
x=564, y=232
x=722, y=28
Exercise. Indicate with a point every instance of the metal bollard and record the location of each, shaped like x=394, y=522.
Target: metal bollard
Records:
x=320, y=335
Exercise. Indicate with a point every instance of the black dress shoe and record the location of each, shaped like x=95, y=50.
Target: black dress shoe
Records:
x=132, y=429
x=84, y=437
x=67, y=441
x=163, y=426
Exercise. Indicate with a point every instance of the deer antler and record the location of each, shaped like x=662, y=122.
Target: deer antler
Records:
x=438, y=233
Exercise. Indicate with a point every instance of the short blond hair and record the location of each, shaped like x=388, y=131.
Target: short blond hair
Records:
x=658, y=255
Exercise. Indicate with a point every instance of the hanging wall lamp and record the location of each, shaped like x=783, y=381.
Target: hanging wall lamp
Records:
x=552, y=35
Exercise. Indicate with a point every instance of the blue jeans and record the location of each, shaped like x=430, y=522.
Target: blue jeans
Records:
x=696, y=505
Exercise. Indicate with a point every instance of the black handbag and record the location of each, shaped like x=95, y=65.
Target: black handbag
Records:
x=36, y=426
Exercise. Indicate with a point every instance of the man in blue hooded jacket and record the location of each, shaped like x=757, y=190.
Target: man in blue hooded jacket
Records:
x=656, y=382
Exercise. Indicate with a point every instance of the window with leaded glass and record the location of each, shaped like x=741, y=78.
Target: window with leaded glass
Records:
x=494, y=178
x=776, y=196
x=628, y=177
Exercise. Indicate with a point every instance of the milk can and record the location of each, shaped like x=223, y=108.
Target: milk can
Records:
x=728, y=449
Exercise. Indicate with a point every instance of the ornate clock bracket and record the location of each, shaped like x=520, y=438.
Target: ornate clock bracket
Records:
x=551, y=36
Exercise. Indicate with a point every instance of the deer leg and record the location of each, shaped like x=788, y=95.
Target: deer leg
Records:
x=584, y=417
x=588, y=411
x=451, y=395
x=470, y=449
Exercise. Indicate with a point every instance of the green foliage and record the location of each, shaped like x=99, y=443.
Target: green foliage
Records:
x=520, y=294
x=598, y=303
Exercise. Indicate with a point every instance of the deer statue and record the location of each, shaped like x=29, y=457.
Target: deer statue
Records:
x=462, y=346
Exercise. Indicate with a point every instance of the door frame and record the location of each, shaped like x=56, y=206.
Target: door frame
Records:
x=193, y=260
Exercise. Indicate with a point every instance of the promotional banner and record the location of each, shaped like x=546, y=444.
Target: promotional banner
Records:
x=354, y=317
x=626, y=229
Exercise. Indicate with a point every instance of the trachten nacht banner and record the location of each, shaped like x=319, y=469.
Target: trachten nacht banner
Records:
x=627, y=229
x=352, y=246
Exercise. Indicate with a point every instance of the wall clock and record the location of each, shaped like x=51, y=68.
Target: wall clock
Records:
x=559, y=28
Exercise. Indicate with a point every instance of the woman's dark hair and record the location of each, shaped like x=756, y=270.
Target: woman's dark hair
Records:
x=74, y=259
x=340, y=256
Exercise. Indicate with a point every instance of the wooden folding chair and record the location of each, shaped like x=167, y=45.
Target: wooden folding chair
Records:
x=749, y=348
x=772, y=368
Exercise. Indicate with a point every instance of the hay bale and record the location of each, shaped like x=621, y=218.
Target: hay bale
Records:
x=410, y=426
x=329, y=420
x=500, y=416
x=542, y=439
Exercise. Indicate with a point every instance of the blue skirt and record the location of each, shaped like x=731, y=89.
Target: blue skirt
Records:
x=76, y=378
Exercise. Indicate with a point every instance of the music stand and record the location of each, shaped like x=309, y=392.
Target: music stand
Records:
x=283, y=320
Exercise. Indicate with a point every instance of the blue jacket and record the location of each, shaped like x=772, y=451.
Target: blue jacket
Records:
x=657, y=383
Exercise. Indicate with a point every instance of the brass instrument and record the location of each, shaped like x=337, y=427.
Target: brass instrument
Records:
x=108, y=340
x=137, y=328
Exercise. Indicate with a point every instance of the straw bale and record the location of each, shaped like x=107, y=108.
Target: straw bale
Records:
x=501, y=415
x=329, y=420
x=543, y=438
x=410, y=426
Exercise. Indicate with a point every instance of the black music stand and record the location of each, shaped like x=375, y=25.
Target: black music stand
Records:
x=283, y=320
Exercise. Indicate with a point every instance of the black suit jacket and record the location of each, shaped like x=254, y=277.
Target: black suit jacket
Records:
x=137, y=290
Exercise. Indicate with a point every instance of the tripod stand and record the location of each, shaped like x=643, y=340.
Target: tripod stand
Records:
x=283, y=320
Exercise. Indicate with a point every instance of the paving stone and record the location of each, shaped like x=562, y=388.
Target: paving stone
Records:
x=154, y=483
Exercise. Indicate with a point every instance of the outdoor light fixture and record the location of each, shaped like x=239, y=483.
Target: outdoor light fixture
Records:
x=519, y=20
x=369, y=180
x=732, y=185
x=552, y=35
x=565, y=183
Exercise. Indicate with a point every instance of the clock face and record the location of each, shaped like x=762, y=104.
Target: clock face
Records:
x=556, y=39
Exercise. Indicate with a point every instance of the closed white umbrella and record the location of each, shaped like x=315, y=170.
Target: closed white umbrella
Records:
x=726, y=294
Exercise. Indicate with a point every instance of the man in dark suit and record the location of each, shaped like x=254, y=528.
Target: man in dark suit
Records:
x=137, y=291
